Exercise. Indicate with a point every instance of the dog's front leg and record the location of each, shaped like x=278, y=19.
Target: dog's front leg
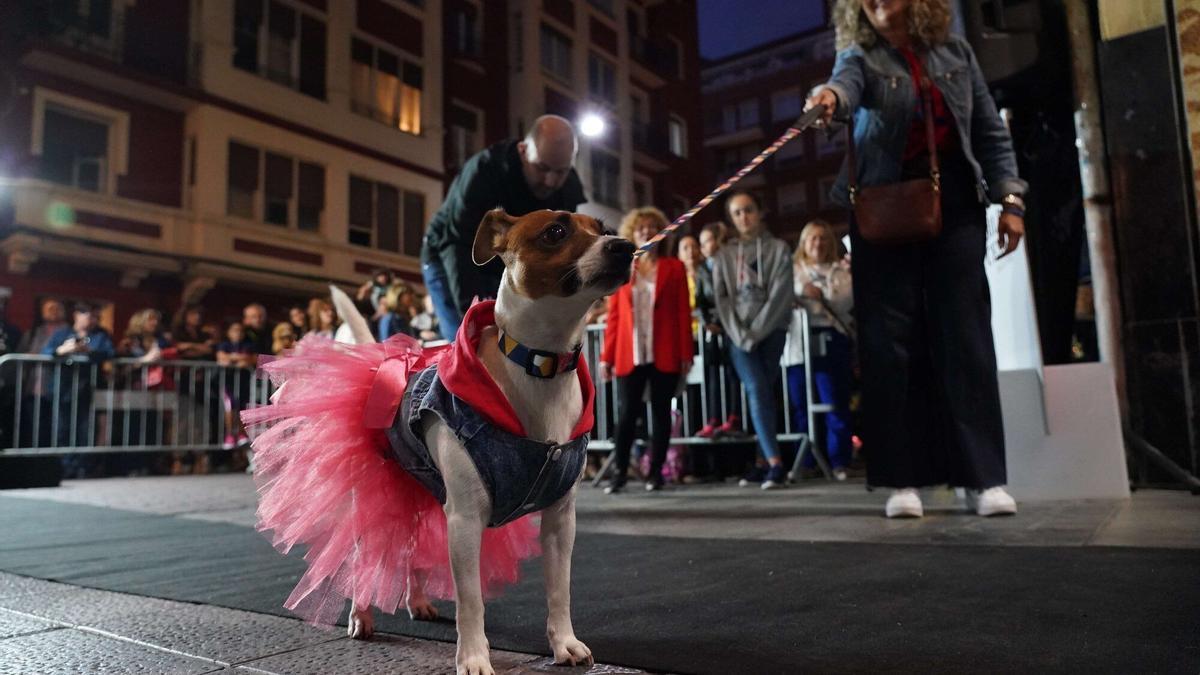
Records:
x=558, y=540
x=468, y=507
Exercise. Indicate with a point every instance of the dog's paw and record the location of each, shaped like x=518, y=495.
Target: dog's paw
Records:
x=361, y=624
x=422, y=611
x=569, y=651
x=474, y=663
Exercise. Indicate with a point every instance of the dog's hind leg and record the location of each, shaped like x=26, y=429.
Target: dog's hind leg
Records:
x=558, y=540
x=419, y=607
x=468, y=508
x=360, y=625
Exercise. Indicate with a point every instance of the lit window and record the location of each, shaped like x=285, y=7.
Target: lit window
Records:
x=385, y=86
x=677, y=136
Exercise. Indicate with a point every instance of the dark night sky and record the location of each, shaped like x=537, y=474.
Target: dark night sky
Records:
x=728, y=26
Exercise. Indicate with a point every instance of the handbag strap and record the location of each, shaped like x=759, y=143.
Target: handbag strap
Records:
x=935, y=173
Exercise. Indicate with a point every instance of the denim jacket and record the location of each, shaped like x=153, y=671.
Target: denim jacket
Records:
x=875, y=85
x=521, y=475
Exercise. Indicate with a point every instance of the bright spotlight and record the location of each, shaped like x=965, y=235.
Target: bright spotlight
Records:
x=592, y=125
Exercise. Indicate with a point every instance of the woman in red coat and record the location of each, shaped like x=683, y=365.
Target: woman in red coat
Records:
x=647, y=341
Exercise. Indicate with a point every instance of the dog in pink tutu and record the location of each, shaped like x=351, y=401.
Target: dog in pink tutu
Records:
x=412, y=473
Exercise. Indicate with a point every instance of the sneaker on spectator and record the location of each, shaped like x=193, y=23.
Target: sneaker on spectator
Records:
x=753, y=476
x=732, y=425
x=904, y=503
x=709, y=429
x=994, y=501
x=230, y=443
x=243, y=439
x=653, y=485
x=614, y=488
x=839, y=474
x=776, y=478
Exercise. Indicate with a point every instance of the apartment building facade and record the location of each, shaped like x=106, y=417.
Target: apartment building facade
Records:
x=749, y=100
x=224, y=151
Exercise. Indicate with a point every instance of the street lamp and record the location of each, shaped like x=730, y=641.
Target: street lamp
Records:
x=592, y=125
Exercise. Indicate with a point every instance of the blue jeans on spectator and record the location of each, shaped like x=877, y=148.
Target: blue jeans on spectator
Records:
x=759, y=370
x=831, y=384
x=443, y=305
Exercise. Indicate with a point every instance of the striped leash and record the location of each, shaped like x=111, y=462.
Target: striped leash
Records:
x=803, y=122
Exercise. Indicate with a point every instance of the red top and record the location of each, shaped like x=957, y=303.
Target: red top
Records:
x=464, y=376
x=672, y=322
x=943, y=120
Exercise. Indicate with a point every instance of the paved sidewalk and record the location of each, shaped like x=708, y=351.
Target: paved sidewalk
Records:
x=48, y=628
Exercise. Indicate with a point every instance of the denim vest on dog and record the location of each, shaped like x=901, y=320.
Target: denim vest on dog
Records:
x=521, y=475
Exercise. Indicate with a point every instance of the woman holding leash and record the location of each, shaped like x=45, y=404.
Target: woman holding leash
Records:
x=647, y=342
x=925, y=136
x=823, y=289
x=753, y=281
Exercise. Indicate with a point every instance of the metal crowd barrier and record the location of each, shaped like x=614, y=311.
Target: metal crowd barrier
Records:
x=608, y=403
x=63, y=406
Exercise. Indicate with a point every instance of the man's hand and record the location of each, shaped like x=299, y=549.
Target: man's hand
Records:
x=1009, y=233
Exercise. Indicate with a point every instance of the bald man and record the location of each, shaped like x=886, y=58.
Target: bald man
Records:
x=534, y=173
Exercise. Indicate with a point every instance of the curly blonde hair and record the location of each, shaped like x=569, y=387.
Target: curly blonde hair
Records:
x=928, y=23
x=625, y=229
x=816, y=228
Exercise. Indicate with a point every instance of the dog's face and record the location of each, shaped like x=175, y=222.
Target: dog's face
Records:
x=555, y=253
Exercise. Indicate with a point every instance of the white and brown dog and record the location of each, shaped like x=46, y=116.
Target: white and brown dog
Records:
x=557, y=265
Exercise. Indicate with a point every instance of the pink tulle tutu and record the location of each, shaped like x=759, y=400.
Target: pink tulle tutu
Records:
x=327, y=481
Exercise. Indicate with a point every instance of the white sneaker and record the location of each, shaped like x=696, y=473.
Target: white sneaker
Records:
x=839, y=475
x=904, y=503
x=994, y=501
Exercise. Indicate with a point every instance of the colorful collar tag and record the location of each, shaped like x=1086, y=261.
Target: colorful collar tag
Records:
x=537, y=362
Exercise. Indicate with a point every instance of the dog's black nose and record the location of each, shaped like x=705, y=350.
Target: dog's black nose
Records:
x=618, y=246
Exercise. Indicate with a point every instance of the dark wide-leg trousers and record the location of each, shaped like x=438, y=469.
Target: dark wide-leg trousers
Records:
x=633, y=408
x=931, y=403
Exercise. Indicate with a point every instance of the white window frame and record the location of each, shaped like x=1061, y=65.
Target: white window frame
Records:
x=260, y=194
x=482, y=124
x=402, y=56
x=264, y=47
x=117, y=157
x=676, y=122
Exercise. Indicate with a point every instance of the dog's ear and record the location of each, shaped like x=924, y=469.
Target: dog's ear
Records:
x=495, y=224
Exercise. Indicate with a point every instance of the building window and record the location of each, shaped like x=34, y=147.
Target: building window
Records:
x=602, y=79
x=732, y=159
x=677, y=136
x=786, y=105
x=274, y=188
x=606, y=178
x=281, y=43
x=465, y=32
x=465, y=130
x=643, y=191
x=385, y=217
x=556, y=54
x=605, y=6
x=386, y=87
x=792, y=199
x=747, y=113
x=94, y=26
x=74, y=149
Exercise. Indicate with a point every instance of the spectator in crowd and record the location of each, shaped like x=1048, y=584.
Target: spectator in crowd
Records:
x=396, y=311
x=283, y=337
x=373, y=290
x=83, y=346
x=931, y=399
x=147, y=343
x=36, y=410
x=689, y=254
x=299, y=318
x=194, y=342
x=647, y=342
x=240, y=354
x=322, y=320
x=719, y=375
x=10, y=342
x=822, y=288
x=753, y=281
x=424, y=322
x=519, y=176
x=255, y=329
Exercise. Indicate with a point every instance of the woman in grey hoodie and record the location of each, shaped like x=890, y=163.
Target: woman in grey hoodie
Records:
x=752, y=276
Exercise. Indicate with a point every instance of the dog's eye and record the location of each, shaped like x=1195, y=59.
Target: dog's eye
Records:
x=554, y=234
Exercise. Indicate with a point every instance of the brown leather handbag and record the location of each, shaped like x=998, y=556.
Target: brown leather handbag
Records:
x=899, y=213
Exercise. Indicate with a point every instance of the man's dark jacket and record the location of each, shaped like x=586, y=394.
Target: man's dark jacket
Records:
x=489, y=179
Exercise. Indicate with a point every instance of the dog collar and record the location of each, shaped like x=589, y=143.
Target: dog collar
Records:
x=536, y=362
